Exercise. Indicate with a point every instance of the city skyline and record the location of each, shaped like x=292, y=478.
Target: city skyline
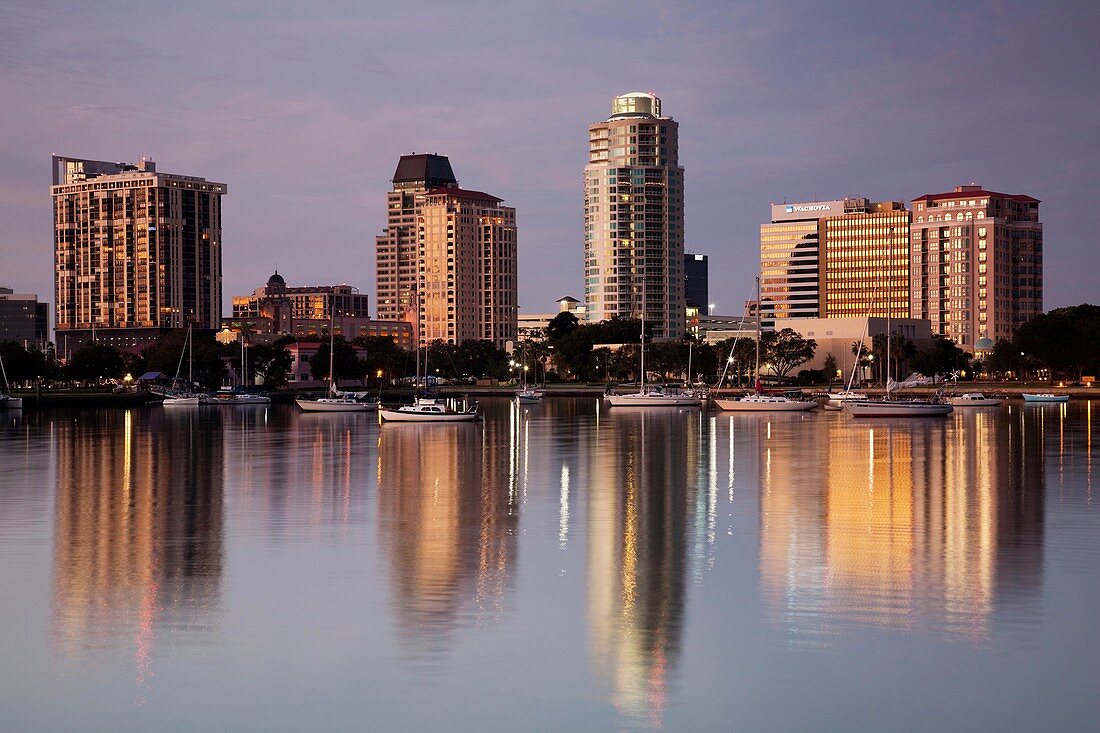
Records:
x=298, y=99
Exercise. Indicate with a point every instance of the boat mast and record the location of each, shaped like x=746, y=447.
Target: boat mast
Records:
x=4, y=372
x=190, y=378
x=332, y=348
x=759, y=323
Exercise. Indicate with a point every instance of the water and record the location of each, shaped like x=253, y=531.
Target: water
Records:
x=558, y=567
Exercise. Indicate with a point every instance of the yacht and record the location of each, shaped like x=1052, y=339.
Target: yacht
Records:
x=428, y=409
x=973, y=399
x=335, y=401
x=655, y=397
x=897, y=408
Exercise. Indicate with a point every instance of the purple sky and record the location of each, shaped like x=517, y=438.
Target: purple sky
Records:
x=303, y=108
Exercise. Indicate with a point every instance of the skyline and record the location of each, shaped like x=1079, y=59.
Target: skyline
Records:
x=304, y=113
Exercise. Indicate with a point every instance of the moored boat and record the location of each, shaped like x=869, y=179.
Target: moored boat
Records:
x=973, y=399
x=897, y=408
x=428, y=409
x=655, y=397
x=7, y=400
x=761, y=402
x=335, y=403
x=1045, y=397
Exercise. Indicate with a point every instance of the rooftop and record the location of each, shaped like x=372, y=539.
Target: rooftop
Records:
x=425, y=167
x=463, y=193
x=964, y=192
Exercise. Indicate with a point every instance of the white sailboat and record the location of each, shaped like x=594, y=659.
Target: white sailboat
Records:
x=7, y=400
x=227, y=396
x=1045, y=397
x=761, y=401
x=654, y=396
x=336, y=401
x=427, y=409
x=184, y=398
x=836, y=400
x=525, y=393
x=889, y=406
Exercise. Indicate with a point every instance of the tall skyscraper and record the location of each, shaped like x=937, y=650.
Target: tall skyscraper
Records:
x=696, y=281
x=864, y=256
x=976, y=263
x=634, y=217
x=135, y=251
x=466, y=267
x=789, y=260
x=397, y=247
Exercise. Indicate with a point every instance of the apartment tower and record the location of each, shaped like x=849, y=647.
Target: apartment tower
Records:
x=397, y=247
x=976, y=263
x=136, y=251
x=466, y=267
x=634, y=217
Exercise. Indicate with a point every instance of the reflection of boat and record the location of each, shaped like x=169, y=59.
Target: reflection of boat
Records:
x=428, y=409
x=973, y=399
x=1045, y=397
x=7, y=401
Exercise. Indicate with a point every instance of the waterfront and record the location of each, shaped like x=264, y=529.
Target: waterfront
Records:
x=556, y=567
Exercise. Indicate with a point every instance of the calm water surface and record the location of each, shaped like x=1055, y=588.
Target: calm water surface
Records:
x=558, y=567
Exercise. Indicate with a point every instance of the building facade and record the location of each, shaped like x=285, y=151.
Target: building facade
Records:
x=136, y=252
x=864, y=261
x=634, y=217
x=309, y=311
x=397, y=248
x=696, y=281
x=23, y=319
x=466, y=268
x=976, y=263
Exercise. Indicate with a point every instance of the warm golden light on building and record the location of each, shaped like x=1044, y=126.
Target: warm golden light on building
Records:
x=865, y=262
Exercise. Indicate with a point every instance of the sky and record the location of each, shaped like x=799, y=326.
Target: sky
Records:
x=303, y=108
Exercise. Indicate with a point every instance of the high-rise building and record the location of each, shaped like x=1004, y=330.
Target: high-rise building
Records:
x=135, y=251
x=23, y=319
x=466, y=267
x=976, y=263
x=864, y=260
x=396, y=249
x=634, y=217
x=790, y=259
x=696, y=281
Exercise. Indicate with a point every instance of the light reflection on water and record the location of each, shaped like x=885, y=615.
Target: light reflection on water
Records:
x=620, y=562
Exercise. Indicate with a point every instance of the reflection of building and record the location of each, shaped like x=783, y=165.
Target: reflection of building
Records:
x=918, y=525
x=23, y=319
x=634, y=217
x=639, y=504
x=310, y=311
x=977, y=262
x=135, y=251
x=138, y=528
x=450, y=514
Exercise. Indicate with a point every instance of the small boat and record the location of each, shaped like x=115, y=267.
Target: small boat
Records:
x=839, y=398
x=762, y=402
x=336, y=403
x=184, y=399
x=530, y=394
x=1045, y=397
x=897, y=408
x=973, y=399
x=428, y=409
x=655, y=397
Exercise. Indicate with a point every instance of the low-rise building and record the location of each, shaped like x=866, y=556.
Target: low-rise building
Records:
x=837, y=336
x=23, y=319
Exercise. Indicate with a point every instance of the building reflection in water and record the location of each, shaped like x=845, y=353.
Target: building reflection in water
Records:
x=448, y=498
x=931, y=526
x=138, y=539
x=643, y=481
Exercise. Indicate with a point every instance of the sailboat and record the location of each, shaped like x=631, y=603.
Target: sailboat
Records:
x=836, y=400
x=228, y=396
x=184, y=398
x=759, y=400
x=427, y=409
x=654, y=396
x=336, y=401
x=7, y=400
x=525, y=393
x=892, y=407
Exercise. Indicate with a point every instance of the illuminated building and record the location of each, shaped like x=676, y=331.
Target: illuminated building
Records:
x=396, y=248
x=136, y=252
x=466, y=267
x=977, y=263
x=864, y=260
x=789, y=259
x=634, y=217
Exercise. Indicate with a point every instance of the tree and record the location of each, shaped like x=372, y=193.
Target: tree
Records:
x=786, y=349
x=1003, y=358
x=23, y=365
x=271, y=363
x=942, y=356
x=346, y=362
x=384, y=359
x=94, y=362
x=167, y=354
x=830, y=368
x=739, y=355
x=562, y=325
x=1065, y=340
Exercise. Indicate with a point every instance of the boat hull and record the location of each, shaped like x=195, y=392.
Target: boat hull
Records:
x=11, y=403
x=1046, y=397
x=897, y=409
x=750, y=406
x=182, y=401
x=643, y=400
x=390, y=415
x=320, y=406
x=974, y=402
